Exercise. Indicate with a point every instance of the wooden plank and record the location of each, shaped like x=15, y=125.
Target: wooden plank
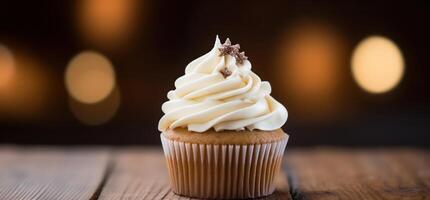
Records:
x=137, y=174
x=51, y=173
x=142, y=174
x=324, y=173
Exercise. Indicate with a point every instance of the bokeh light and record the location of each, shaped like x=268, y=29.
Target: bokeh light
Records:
x=27, y=92
x=377, y=64
x=107, y=23
x=98, y=113
x=90, y=77
x=7, y=68
x=311, y=62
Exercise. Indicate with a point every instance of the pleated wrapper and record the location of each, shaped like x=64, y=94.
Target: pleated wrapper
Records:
x=221, y=171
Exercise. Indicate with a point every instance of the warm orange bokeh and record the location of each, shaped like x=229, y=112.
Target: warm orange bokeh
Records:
x=7, y=68
x=27, y=93
x=311, y=64
x=90, y=77
x=107, y=23
x=377, y=64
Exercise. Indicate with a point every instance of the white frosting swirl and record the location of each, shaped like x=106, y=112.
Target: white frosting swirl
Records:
x=203, y=98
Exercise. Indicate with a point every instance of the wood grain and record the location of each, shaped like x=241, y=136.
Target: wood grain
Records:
x=324, y=173
x=46, y=173
x=142, y=174
x=137, y=174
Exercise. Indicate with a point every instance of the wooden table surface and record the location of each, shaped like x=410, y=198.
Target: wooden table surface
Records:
x=140, y=173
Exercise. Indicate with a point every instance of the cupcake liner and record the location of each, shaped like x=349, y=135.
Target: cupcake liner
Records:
x=223, y=171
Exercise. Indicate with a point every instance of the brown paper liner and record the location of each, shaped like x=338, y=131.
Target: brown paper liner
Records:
x=223, y=171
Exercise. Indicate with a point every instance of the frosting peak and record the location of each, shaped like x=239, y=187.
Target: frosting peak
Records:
x=219, y=90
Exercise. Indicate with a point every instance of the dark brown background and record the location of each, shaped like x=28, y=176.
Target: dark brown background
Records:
x=169, y=34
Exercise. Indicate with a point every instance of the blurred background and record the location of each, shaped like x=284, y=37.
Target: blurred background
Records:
x=97, y=71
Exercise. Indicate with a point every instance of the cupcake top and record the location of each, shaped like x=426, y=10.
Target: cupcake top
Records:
x=220, y=91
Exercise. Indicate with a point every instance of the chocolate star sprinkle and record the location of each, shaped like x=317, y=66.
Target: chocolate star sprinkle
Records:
x=225, y=72
x=240, y=57
x=228, y=49
x=232, y=50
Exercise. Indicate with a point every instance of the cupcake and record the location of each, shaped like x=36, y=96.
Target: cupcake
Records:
x=221, y=130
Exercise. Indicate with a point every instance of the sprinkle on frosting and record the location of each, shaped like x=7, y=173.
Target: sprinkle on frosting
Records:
x=225, y=72
x=233, y=50
x=228, y=49
x=240, y=57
